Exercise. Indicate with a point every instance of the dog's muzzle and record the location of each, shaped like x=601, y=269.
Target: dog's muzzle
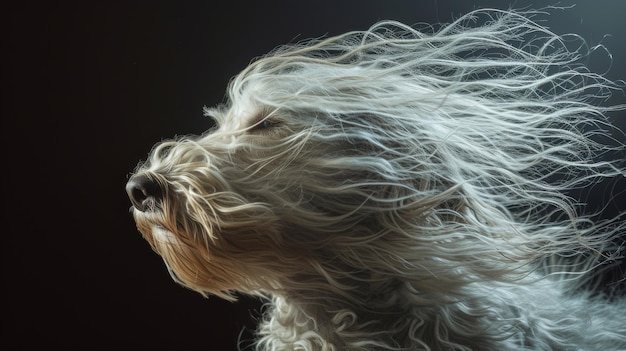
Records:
x=144, y=192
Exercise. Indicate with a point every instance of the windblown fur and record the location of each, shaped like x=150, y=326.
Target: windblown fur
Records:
x=401, y=189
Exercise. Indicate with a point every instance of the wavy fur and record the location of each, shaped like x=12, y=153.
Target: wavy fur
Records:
x=402, y=189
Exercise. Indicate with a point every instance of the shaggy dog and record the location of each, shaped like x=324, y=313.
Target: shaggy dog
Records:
x=400, y=189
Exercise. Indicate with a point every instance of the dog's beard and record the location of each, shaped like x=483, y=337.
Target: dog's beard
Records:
x=204, y=246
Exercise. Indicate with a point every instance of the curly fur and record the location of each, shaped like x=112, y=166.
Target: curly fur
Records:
x=400, y=189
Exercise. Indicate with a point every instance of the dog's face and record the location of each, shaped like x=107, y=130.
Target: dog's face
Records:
x=205, y=203
x=257, y=199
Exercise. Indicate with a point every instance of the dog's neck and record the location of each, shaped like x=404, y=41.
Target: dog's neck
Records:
x=481, y=316
x=396, y=316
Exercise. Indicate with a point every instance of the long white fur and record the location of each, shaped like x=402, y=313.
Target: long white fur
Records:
x=402, y=189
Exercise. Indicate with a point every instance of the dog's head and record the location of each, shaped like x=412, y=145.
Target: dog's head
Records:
x=307, y=158
x=383, y=153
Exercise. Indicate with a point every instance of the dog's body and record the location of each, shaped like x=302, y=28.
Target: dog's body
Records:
x=399, y=190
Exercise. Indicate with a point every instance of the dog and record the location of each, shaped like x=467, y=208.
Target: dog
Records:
x=401, y=188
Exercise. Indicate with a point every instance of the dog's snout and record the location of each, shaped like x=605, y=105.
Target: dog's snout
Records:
x=143, y=192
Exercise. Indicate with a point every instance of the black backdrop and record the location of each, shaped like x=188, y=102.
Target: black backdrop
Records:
x=89, y=88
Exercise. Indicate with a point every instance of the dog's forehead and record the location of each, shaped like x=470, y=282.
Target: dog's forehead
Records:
x=238, y=116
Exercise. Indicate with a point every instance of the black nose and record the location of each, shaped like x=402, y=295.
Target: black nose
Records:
x=143, y=192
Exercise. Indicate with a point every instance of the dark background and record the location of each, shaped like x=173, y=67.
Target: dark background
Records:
x=89, y=87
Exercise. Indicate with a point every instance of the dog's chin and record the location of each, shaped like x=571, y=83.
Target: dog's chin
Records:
x=149, y=225
x=191, y=263
x=206, y=290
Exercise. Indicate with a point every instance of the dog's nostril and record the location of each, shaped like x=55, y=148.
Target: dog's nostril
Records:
x=143, y=191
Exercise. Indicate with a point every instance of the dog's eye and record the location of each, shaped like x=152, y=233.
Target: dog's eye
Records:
x=264, y=124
